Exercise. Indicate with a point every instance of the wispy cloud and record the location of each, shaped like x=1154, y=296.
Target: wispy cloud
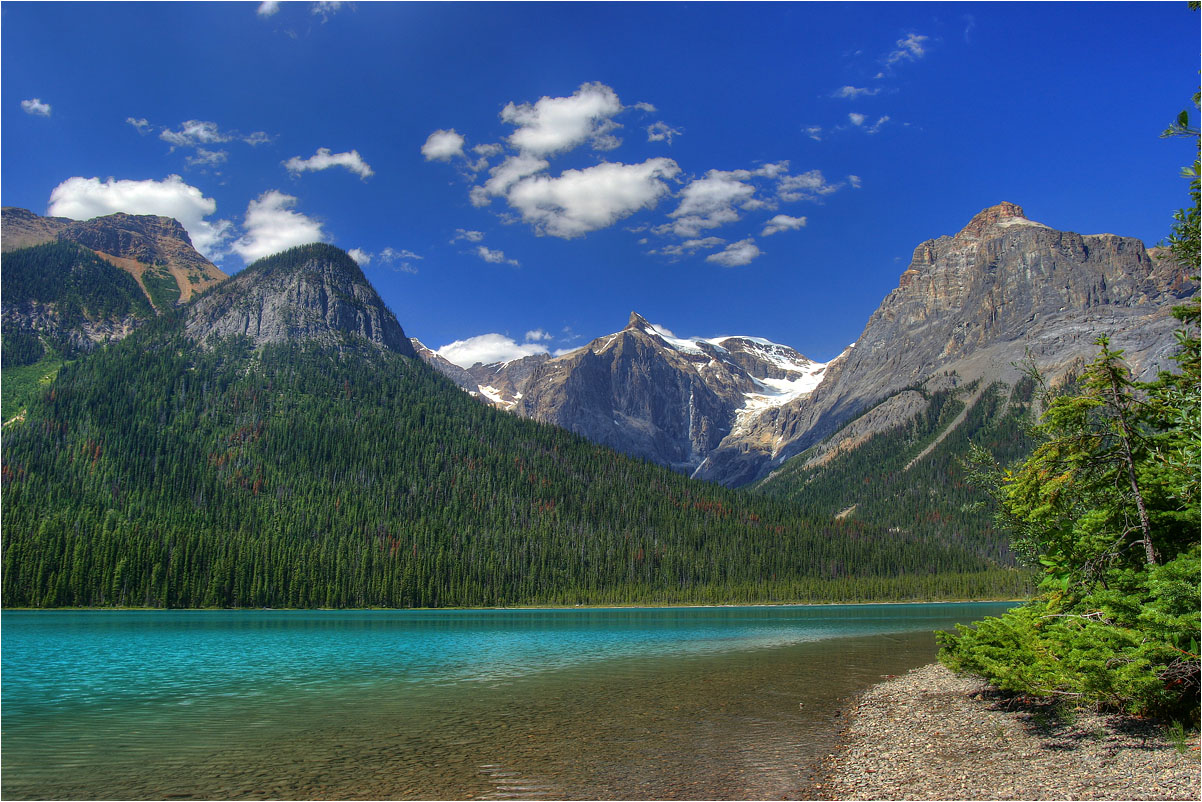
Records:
x=912, y=48
x=853, y=92
x=494, y=256
x=782, y=222
x=660, y=132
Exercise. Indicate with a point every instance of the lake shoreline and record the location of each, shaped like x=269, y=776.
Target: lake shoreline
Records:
x=931, y=734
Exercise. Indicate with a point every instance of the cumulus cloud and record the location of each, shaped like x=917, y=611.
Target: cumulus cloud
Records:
x=710, y=202
x=506, y=174
x=271, y=226
x=268, y=8
x=856, y=119
x=443, y=145
x=142, y=124
x=912, y=48
x=36, y=107
x=736, y=254
x=361, y=257
x=84, y=198
x=782, y=222
x=557, y=124
x=207, y=158
x=658, y=132
x=538, y=335
x=398, y=261
x=494, y=257
x=323, y=159
x=487, y=348
x=579, y=201
x=853, y=92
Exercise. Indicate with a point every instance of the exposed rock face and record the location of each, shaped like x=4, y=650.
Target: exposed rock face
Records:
x=645, y=392
x=975, y=304
x=134, y=243
x=311, y=293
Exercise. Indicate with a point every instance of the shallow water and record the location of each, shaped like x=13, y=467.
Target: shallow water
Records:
x=697, y=703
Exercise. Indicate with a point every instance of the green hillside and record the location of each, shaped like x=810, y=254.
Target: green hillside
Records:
x=888, y=481
x=155, y=473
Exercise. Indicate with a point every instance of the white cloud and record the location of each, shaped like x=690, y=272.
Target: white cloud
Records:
x=689, y=247
x=443, y=145
x=876, y=126
x=579, y=201
x=709, y=202
x=736, y=254
x=807, y=186
x=271, y=226
x=538, y=335
x=508, y=173
x=36, y=107
x=856, y=119
x=142, y=124
x=911, y=48
x=268, y=8
x=207, y=158
x=658, y=132
x=853, y=92
x=361, y=257
x=854, y=180
x=389, y=258
x=84, y=198
x=556, y=124
x=323, y=159
x=494, y=257
x=815, y=132
x=782, y=222
x=487, y=348
x=470, y=236
x=193, y=133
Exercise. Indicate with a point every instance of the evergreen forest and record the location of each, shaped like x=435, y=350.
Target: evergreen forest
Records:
x=156, y=473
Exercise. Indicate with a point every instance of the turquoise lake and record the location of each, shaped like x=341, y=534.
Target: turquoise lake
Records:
x=658, y=703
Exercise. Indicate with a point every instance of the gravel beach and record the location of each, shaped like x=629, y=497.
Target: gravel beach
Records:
x=931, y=734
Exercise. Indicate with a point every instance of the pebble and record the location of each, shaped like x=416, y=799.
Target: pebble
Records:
x=932, y=734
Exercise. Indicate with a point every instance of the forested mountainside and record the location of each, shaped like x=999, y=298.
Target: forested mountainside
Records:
x=69, y=285
x=192, y=464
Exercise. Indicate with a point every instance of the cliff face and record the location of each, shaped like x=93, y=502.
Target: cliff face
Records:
x=311, y=293
x=975, y=304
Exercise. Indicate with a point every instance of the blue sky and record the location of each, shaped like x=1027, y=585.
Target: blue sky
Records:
x=535, y=172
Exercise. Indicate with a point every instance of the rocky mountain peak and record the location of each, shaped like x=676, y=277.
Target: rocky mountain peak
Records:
x=309, y=293
x=638, y=322
x=1002, y=214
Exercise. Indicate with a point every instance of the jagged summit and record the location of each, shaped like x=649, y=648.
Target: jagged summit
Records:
x=309, y=293
x=637, y=321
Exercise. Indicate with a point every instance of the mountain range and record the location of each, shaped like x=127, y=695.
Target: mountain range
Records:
x=1002, y=294
x=274, y=443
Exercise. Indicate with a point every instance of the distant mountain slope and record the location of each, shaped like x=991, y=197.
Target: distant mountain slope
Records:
x=646, y=392
x=69, y=285
x=156, y=251
x=305, y=460
x=974, y=305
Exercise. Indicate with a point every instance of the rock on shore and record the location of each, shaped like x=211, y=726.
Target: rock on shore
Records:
x=931, y=734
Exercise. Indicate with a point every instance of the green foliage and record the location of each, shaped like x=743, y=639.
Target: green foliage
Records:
x=154, y=473
x=932, y=496
x=77, y=283
x=23, y=383
x=162, y=287
x=1108, y=505
x=19, y=347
